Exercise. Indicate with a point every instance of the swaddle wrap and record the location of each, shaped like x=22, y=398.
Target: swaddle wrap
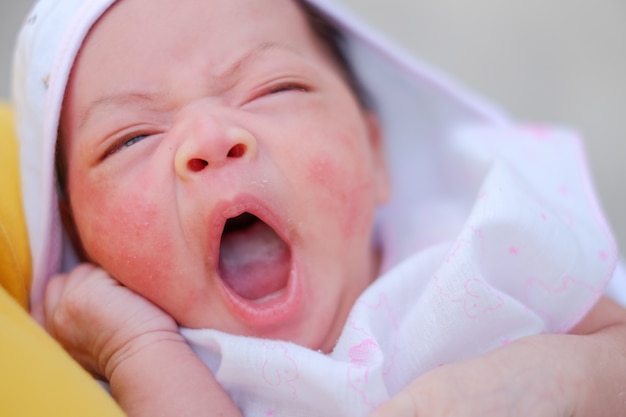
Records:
x=493, y=231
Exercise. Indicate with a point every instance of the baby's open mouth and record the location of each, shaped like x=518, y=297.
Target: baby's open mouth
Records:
x=254, y=261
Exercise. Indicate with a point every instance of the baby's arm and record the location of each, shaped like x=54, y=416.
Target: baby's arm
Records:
x=575, y=375
x=120, y=336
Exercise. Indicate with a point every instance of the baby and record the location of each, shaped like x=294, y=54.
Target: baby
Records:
x=222, y=163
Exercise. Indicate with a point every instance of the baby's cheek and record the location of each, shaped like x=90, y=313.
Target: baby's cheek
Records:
x=323, y=173
x=343, y=190
x=127, y=236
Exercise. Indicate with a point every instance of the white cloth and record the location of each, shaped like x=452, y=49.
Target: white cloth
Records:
x=532, y=256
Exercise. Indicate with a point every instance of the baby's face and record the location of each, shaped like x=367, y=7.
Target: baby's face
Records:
x=219, y=165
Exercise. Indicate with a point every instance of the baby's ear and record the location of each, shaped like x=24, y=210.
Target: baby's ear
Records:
x=379, y=160
x=67, y=218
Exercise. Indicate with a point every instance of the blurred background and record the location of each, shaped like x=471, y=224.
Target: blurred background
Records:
x=557, y=61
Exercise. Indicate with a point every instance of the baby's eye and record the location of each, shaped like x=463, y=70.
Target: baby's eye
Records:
x=123, y=143
x=281, y=88
x=130, y=142
x=288, y=88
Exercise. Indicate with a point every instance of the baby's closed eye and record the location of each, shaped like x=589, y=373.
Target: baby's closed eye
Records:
x=280, y=88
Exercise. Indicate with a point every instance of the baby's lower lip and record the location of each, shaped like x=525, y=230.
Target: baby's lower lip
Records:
x=270, y=297
x=269, y=311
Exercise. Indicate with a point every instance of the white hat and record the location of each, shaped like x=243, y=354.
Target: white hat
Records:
x=419, y=109
x=47, y=46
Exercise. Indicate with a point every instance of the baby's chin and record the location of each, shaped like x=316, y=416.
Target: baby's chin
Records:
x=291, y=314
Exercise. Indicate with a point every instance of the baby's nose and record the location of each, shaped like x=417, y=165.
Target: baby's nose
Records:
x=209, y=142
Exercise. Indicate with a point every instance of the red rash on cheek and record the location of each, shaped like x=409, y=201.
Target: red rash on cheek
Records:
x=322, y=170
x=125, y=232
x=345, y=188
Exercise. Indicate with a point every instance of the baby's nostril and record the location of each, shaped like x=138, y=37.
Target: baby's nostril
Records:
x=237, y=151
x=197, y=165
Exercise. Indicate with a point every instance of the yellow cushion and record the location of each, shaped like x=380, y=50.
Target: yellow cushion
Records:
x=37, y=377
x=14, y=253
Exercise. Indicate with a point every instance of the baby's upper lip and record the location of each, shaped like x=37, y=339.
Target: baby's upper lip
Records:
x=244, y=204
x=243, y=221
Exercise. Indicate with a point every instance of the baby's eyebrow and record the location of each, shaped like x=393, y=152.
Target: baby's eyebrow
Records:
x=115, y=100
x=233, y=71
x=235, y=68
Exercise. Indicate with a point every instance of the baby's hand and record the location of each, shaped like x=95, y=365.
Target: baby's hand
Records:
x=522, y=379
x=100, y=322
x=117, y=334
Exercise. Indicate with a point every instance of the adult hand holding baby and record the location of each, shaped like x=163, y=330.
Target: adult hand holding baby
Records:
x=543, y=375
x=507, y=382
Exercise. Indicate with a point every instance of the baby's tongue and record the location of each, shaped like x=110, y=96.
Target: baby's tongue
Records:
x=254, y=262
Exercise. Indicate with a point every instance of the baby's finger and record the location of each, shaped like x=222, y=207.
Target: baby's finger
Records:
x=44, y=312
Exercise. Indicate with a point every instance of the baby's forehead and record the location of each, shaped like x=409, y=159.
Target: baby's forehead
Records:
x=320, y=30
x=222, y=59
x=291, y=17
